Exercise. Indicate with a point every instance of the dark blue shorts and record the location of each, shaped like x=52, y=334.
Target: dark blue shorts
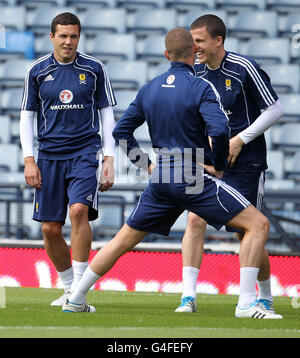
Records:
x=249, y=184
x=161, y=204
x=66, y=182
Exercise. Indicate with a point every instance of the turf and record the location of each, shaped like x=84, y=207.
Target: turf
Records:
x=137, y=315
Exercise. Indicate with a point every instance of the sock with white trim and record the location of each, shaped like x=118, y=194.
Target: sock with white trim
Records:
x=67, y=278
x=264, y=290
x=189, y=280
x=248, y=276
x=79, y=269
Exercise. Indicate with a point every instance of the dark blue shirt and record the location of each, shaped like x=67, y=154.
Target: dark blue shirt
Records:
x=66, y=99
x=245, y=90
x=181, y=110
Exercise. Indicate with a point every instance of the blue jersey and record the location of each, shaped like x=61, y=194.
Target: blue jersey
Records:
x=181, y=110
x=245, y=90
x=67, y=98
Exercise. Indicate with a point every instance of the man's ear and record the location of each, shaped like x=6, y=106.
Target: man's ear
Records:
x=167, y=55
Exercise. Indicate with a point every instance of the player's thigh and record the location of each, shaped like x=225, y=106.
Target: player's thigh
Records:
x=217, y=204
x=83, y=185
x=50, y=202
x=250, y=219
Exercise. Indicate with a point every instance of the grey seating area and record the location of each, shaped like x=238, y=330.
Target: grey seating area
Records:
x=128, y=37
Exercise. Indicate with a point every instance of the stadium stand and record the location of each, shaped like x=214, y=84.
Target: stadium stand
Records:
x=156, y=22
x=128, y=36
x=97, y=20
x=184, y=5
x=82, y=5
x=254, y=24
x=127, y=75
x=284, y=78
x=240, y=5
x=18, y=44
x=110, y=47
x=268, y=51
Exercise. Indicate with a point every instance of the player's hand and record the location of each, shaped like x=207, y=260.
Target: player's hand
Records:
x=108, y=174
x=211, y=170
x=235, y=147
x=32, y=173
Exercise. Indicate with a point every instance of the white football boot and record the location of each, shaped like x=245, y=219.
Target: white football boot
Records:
x=188, y=304
x=256, y=310
x=74, y=307
x=62, y=299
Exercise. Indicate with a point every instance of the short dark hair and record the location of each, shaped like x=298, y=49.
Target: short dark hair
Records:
x=214, y=25
x=179, y=43
x=65, y=18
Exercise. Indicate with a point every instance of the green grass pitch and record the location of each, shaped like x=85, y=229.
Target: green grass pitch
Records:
x=28, y=314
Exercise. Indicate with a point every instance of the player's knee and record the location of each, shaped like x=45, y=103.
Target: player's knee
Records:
x=51, y=230
x=261, y=225
x=195, y=222
x=78, y=212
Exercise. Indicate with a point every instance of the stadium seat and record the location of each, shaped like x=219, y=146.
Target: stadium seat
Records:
x=275, y=164
x=13, y=17
x=186, y=5
x=9, y=157
x=250, y=24
x=112, y=47
x=240, y=5
x=284, y=5
x=288, y=137
x=294, y=170
x=18, y=44
x=39, y=21
x=152, y=49
x=191, y=15
x=268, y=51
x=141, y=4
x=279, y=184
x=124, y=98
x=291, y=107
x=127, y=74
x=97, y=20
x=295, y=51
x=232, y=44
x=33, y=4
x=13, y=73
x=83, y=5
x=10, y=101
x=148, y=22
x=5, y=135
x=284, y=78
x=111, y=216
x=286, y=24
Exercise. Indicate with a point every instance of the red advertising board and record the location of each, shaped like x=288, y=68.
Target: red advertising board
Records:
x=148, y=271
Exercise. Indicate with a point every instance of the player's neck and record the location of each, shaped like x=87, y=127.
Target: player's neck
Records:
x=216, y=61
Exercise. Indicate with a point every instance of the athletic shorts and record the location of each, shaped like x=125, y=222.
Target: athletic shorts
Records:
x=66, y=182
x=160, y=205
x=249, y=184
